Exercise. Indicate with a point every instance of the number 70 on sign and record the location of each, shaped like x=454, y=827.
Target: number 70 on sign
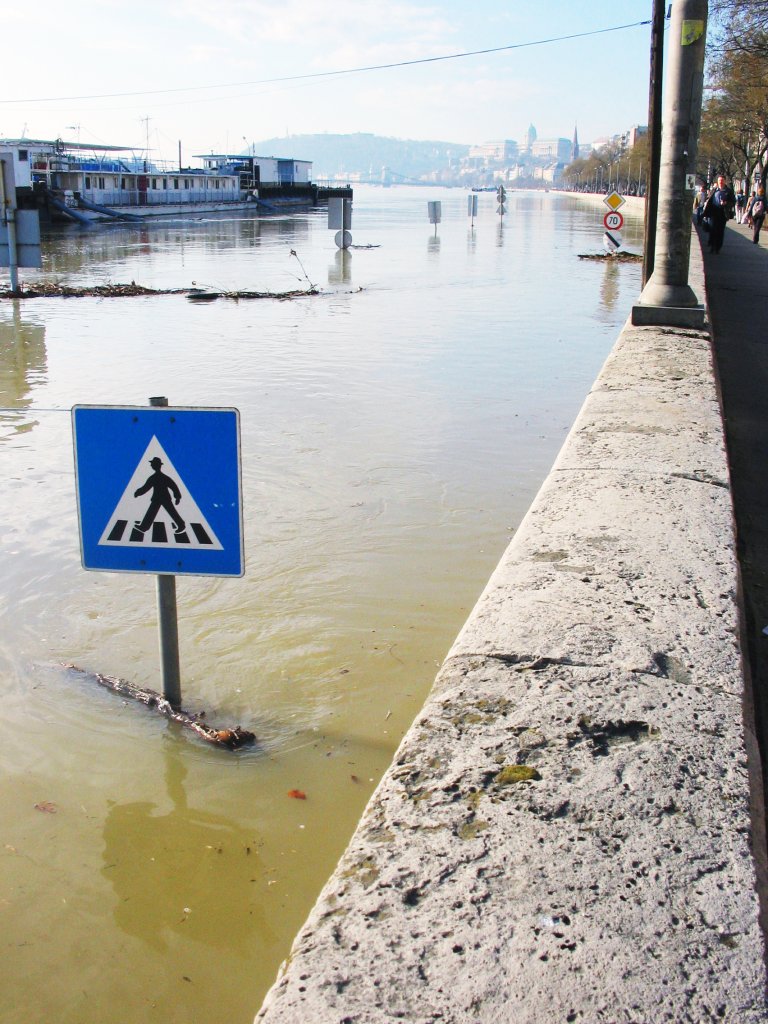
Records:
x=613, y=221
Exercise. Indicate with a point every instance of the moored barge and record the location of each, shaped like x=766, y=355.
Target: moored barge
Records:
x=69, y=181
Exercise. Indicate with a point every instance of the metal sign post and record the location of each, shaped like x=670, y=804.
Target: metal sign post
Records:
x=159, y=491
x=612, y=221
x=168, y=623
x=501, y=195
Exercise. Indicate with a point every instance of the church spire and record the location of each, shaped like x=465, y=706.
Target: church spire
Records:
x=575, y=147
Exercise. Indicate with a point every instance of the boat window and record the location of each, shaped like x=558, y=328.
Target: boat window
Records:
x=87, y=181
x=175, y=182
x=23, y=156
x=165, y=183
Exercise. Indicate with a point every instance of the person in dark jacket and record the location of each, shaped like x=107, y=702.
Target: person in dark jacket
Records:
x=756, y=213
x=717, y=210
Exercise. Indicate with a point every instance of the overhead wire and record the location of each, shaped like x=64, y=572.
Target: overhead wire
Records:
x=337, y=73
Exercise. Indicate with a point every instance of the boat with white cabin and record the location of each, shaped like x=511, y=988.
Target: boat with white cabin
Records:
x=75, y=182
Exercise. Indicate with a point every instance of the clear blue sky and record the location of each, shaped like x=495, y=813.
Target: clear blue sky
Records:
x=216, y=51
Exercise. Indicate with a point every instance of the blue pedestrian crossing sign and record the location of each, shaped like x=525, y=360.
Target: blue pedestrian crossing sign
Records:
x=159, y=489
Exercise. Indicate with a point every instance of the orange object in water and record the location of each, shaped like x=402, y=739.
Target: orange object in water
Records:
x=297, y=794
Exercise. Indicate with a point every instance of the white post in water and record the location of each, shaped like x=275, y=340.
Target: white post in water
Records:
x=8, y=204
x=168, y=625
x=472, y=209
x=668, y=299
x=435, y=211
x=340, y=217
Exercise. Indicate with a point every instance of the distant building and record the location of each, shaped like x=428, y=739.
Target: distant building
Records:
x=635, y=133
x=626, y=140
x=504, y=151
x=575, y=146
x=557, y=150
x=530, y=138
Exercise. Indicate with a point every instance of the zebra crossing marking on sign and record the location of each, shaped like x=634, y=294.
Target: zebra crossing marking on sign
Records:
x=156, y=508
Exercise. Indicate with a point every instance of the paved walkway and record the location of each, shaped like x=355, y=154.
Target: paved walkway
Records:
x=737, y=293
x=564, y=834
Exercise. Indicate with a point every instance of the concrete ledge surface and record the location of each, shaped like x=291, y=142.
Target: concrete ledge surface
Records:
x=565, y=834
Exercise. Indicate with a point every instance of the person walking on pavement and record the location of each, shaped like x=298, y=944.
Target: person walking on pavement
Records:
x=741, y=206
x=163, y=489
x=698, y=204
x=717, y=210
x=756, y=213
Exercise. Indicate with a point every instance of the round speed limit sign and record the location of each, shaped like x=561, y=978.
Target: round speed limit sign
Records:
x=613, y=221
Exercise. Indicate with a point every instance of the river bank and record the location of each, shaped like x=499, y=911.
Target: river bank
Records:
x=564, y=833
x=375, y=417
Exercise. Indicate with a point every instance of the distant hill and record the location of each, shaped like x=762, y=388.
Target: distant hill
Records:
x=364, y=156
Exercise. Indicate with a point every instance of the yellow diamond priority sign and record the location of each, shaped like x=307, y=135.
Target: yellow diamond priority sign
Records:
x=614, y=201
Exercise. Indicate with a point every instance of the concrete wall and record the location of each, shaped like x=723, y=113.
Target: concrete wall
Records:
x=632, y=204
x=564, y=834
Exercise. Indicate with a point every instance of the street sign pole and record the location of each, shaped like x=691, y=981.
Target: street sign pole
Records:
x=169, y=640
x=501, y=196
x=168, y=625
x=184, y=519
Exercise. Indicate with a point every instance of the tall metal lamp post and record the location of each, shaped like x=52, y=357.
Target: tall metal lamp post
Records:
x=667, y=299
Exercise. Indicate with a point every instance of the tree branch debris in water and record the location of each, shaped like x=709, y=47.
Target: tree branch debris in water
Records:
x=111, y=291
x=612, y=257
x=230, y=738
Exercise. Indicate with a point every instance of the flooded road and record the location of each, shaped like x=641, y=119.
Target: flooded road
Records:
x=394, y=430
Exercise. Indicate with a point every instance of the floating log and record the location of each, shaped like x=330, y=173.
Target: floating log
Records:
x=201, y=295
x=230, y=738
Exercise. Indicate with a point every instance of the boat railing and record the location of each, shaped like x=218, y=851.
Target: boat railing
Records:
x=168, y=197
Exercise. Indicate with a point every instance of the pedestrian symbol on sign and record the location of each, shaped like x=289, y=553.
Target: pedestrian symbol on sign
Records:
x=158, y=489
x=171, y=516
x=163, y=488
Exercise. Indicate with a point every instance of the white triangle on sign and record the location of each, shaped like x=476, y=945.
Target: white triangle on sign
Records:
x=155, y=518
